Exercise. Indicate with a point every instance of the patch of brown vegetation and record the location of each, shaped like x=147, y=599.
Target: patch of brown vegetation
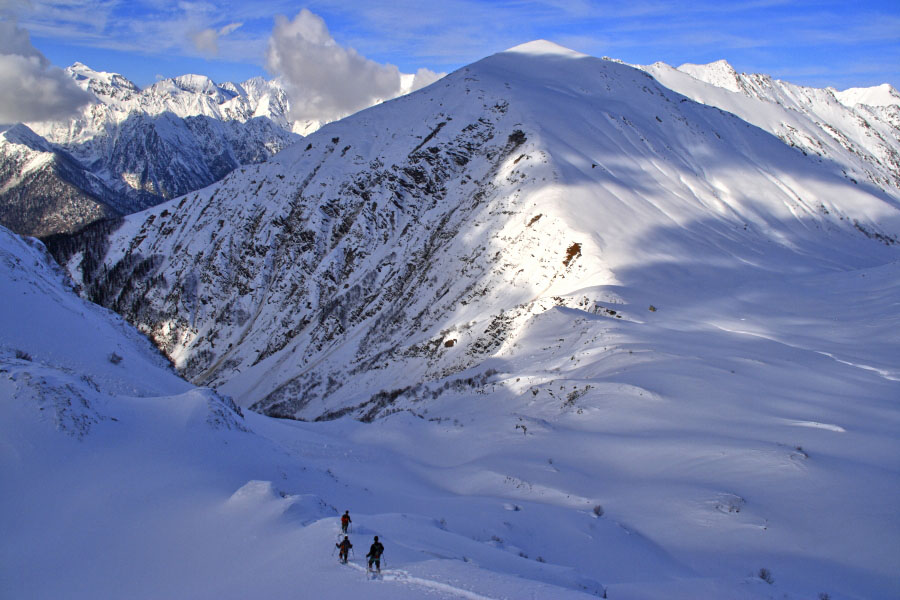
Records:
x=572, y=252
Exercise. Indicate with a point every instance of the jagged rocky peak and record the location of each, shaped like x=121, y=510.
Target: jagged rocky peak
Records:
x=257, y=85
x=133, y=148
x=234, y=88
x=197, y=84
x=415, y=241
x=192, y=84
x=101, y=83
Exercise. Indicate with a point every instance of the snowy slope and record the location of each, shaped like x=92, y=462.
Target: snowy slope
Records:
x=123, y=480
x=129, y=483
x=857, y=131
x=472, y=269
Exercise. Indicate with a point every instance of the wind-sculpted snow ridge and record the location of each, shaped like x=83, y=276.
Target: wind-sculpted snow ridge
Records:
x=134, y=148
x=394, y=252
x=857, y=130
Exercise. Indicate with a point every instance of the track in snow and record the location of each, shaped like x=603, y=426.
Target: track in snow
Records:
x=404, y=577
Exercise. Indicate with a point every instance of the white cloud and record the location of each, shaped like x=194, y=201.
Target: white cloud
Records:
x=424, y=77
x=326, y=80
x=207, y=40
x=229, y=28
x=31, y=89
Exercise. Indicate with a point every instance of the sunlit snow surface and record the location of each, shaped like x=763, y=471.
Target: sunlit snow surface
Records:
x=748, y=422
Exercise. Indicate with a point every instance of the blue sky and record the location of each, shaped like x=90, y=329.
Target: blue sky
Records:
x=816, y=43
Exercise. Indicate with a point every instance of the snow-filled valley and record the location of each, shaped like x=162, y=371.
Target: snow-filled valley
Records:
x=597, y=340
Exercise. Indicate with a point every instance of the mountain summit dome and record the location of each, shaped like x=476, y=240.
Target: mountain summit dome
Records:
x=545, y=47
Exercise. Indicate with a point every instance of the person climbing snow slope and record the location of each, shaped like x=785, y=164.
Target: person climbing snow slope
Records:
x=344, y=546
x=374, y=555
x=345, y=521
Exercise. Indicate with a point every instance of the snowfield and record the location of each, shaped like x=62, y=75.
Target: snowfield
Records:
x=674, y=370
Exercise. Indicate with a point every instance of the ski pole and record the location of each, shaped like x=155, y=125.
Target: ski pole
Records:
x=332, y=550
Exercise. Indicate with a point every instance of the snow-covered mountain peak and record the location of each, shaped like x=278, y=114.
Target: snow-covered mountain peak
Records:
x=549, y=66
x=197, y=84
x=879, y=95
x=719, y=73
x=79, y=71
x=256, y=87
x=106, y=86
x=234, y=88
x=537, y=47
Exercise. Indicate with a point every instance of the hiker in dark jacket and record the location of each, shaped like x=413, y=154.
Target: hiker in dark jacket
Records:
x=374, y=555
x=345, y=546
x=345, y=521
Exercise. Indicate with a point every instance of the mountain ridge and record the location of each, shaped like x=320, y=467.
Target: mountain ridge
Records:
x=863, y=140
x=330, y=244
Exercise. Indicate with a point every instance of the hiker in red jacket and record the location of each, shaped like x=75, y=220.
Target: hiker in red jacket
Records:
x=345, y=521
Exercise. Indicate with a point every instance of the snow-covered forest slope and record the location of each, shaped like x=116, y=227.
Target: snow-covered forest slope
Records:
x=133, y=148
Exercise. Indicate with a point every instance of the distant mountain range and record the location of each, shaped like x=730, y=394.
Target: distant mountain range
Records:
x=133, y=148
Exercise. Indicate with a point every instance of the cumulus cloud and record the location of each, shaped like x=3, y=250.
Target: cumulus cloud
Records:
x=327, y=81
x=31, y=89
x=207, y=40
x=424, y=77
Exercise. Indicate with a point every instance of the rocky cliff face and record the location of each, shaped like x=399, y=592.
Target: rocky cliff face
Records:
x=410, y=248
x=135, y=148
